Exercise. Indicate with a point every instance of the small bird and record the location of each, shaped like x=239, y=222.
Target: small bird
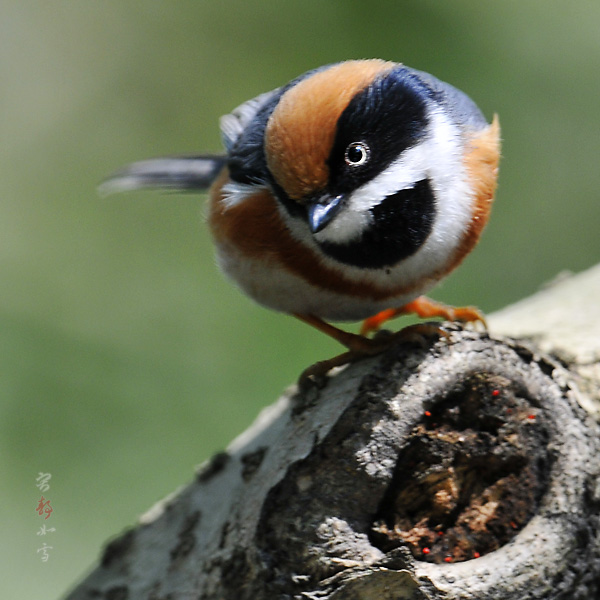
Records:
x=344, y=195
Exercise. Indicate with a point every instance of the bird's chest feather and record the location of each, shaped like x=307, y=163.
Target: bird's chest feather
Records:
x=259, y=252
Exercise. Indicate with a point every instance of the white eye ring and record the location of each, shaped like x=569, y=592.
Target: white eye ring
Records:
x=357, y=154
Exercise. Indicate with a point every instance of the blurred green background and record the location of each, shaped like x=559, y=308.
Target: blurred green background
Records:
x=126, y=359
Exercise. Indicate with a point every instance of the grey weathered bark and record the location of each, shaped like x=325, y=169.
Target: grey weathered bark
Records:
x=467, y=467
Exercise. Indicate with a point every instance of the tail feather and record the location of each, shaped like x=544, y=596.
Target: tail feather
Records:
x=186, y=173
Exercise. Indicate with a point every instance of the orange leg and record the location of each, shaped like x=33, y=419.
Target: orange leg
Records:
x=360, y=346
x=355, y=343
x=425, y=308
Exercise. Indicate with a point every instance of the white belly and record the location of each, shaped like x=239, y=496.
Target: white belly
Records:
x=283, y=291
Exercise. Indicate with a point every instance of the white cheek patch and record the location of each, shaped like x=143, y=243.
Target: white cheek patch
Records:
x=348, y=225
x=402, y=174
x=451, y=187
x=356, y=217
x=437, y=158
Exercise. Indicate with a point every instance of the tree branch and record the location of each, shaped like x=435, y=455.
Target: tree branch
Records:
x=465, y=467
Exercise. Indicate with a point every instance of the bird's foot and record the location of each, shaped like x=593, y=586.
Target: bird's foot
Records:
x=425, y=308
x=363, y=347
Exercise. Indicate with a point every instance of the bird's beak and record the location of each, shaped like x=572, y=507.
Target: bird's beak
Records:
x=322, y=211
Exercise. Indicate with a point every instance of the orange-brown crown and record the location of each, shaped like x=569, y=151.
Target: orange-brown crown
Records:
x=301, y=131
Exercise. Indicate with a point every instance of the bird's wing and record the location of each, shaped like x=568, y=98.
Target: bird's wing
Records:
x=235, y=123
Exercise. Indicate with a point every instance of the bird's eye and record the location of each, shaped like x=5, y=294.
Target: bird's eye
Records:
x=357, y=154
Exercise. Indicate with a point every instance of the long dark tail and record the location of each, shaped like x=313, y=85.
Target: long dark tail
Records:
x=185, y=173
